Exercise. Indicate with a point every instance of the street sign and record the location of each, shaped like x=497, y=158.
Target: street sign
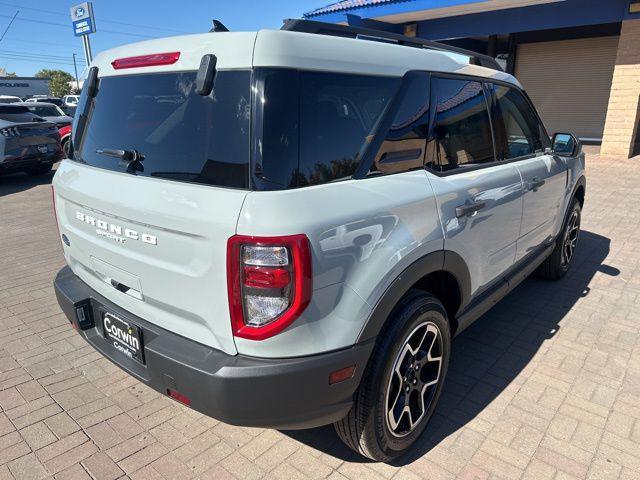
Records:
x=82, y=19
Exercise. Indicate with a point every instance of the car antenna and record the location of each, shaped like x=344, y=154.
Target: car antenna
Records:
x=218, y=26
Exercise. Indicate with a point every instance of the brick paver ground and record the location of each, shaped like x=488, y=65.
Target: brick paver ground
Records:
x=545, y=386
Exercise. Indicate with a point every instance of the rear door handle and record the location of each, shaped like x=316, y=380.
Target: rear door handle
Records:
x=469, y=209
x=535, y=184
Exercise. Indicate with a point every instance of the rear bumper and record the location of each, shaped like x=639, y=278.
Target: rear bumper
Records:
x=13, y=164
x=288, y=393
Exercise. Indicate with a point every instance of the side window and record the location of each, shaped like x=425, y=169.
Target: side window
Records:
x=404, y=146
x=337, y=114
x=516, y=125
x=462, y=129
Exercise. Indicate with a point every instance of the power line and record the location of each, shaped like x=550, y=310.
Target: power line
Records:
x=9, y=26
x=36, y=54
x=40, y=42
x=40, y=57
x=115, y=22
x=54, y=62
x=44, y=22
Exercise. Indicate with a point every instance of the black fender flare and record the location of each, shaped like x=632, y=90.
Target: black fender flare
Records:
x=441, y=260
x=581, y=182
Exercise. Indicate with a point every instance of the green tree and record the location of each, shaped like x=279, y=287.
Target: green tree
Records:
x=60, y=81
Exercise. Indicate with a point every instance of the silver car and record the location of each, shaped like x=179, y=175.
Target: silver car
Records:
x=286, y=228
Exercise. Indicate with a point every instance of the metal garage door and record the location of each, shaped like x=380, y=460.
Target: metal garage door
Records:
x=569, y=81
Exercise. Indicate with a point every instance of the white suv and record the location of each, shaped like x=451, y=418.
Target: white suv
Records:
x=286, y=228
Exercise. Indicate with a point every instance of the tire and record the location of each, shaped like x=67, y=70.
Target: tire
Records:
x=367, y=428
x=42, y=169
x=558, y=263
x=66, y=147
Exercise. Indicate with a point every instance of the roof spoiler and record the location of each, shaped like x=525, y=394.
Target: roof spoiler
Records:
x=335, y=30
x=218, y=26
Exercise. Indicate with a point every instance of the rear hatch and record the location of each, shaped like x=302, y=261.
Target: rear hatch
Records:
x=151, y=235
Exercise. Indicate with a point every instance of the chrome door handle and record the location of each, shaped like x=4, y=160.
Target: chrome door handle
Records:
x=535, y=184
x=469, y=209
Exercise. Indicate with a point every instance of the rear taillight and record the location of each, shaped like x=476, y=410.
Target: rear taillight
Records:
x=10, y=132
x=269, y=283
x=152, y=60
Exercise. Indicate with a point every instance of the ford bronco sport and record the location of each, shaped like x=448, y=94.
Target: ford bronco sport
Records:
x=287, y=228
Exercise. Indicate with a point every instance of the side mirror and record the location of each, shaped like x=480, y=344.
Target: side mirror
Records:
x=566, y=144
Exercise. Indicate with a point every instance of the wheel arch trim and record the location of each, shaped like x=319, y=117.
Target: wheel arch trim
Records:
x=440, y=261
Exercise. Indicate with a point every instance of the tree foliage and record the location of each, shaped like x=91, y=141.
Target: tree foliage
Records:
x=60, y=81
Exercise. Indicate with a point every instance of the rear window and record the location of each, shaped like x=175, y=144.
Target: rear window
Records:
x=312, y=126
x=9, y=100
x=46, y=111
x=183, y=136
x=17, y=114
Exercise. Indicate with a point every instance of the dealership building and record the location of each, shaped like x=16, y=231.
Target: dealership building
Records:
x=24, y=87
x=579, y=60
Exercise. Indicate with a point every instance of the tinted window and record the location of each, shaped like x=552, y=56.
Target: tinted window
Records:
x=17, y=114
x=276, y=116
x=182, y=135
x=55, y=101
x=516, y=125
x=462, y=130
x=404, y=146
x=337, y=113
x=311, y=127
x=46, y=111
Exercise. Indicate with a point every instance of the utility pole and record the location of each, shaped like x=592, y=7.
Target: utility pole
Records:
x=75, y=69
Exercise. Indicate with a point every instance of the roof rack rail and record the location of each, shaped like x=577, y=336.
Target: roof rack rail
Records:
x=332, y=29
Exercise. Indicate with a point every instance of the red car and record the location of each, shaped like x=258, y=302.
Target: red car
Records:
x=65, y=139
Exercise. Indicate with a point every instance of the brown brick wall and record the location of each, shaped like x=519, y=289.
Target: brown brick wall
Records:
x=622, y=114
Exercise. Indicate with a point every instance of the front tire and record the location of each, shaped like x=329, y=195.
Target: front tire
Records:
x=402, y=382
x=558, y=263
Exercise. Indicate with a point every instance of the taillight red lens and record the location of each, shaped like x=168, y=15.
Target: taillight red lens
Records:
x=269, y=283
x=265, y=277
x=152, y=60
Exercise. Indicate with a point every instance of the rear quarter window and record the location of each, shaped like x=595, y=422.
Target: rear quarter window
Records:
x=311, y=127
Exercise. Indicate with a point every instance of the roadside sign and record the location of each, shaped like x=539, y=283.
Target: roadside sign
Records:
x=82, y=19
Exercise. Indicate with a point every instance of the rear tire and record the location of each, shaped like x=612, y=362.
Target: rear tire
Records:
x=41, y=169
x=558, y=263
x=409, y=363
x=66, y=147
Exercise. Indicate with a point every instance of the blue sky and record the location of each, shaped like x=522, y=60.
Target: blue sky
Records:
x=41, y=36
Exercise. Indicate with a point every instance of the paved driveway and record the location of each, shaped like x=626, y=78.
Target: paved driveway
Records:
x=546, y=385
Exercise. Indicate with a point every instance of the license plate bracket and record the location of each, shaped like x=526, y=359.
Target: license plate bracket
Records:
x=125, y=336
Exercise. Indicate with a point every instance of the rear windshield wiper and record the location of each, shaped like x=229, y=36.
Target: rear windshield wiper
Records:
x=128, y=156
x=131, y=159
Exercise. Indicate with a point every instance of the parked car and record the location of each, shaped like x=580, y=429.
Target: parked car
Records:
x=65, y=137
x=28, y=143
x=289, y=234
x=50, y=112
x=70, y=100
x=9, y=99
x=43, y=99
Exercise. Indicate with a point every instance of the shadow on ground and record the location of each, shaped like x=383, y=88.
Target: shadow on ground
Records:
x=490, y=354
x=20, y=182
